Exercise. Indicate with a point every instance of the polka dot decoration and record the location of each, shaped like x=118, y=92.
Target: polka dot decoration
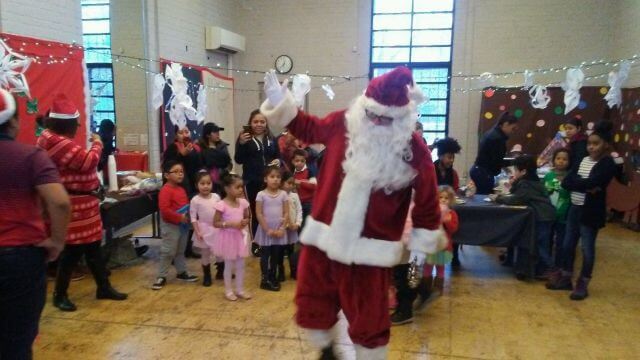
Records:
x=558, y=110
x=529, y=135
x=616, y=138
x=590, y=125
x=502, y=108
x=518, y=113
x=626, y=137
x=540, y=123
x=582, y=105
x=513, y=97
x=489, y=93
x=578, y=116
x=488, y=115
x=604, y=90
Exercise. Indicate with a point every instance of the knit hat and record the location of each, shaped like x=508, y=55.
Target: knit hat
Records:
x=7, y=106
x=63, y=108
x=393, y=91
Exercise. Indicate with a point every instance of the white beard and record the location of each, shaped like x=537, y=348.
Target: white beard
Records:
x=379, y=154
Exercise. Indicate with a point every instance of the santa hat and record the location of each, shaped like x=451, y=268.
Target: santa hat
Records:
x=63, y=108
x=395, y=88
x=7, y=106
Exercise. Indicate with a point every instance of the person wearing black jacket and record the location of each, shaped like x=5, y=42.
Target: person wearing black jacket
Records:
x=255, y=150
x=214, y=153
x=490, y=159
x=577, y=141
x=588, y=211
x=106, y=132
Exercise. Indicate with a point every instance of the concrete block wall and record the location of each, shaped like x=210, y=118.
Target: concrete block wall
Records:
x=626, y=34
x=58, y=20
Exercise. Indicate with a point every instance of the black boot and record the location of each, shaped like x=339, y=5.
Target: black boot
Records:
x=219, y=270
x=62, y=302
x=107, y=292
x=266, y=284
x=99, y=271
x=327, y=354
x=280, y=277
x=455, y=262
x=206, y=278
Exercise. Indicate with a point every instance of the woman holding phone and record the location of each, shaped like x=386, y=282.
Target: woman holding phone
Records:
x=256, y=149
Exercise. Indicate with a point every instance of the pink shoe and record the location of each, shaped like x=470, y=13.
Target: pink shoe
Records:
x=243, y=295
x=231, y=296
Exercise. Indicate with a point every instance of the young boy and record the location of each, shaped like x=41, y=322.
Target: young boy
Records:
x=305, y=182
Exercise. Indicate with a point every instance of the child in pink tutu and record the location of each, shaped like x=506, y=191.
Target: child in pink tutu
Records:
x=202, y=209
x=231, y=218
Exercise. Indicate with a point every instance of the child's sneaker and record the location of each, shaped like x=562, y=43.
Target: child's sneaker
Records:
x=186, y=277
x=159, y=284
x=231, y=296
x=243, y=295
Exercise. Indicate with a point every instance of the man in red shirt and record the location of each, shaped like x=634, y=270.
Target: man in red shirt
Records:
x=29, y=177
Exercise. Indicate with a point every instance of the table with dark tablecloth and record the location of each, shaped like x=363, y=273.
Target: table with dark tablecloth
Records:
x=489, y=224
x=129, y=209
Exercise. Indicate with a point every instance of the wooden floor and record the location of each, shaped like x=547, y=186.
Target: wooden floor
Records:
x=484, y=314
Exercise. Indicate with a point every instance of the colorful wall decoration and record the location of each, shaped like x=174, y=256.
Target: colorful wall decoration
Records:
x=537, y=127
x=46, y=79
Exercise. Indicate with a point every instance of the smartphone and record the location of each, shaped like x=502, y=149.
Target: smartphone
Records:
x=246, y=129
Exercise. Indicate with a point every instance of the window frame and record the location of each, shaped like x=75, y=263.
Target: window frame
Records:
x=418, y=64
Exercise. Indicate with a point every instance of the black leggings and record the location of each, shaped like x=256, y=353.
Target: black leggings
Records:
x=270, y=257
x=252, y=188
x=69, y=259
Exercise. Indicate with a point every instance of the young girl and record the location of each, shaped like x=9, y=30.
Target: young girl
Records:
x=577, y=141
x=295, y=223
x=304, y=180
x=173, y=203
x=587, y=213
x=202, y=210
x=232, y=216
x=272, y=214
x=447, y=198
x=529, y=191
x=560, y=198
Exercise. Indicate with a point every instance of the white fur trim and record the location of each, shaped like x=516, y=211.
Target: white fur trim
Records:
x=361, y=250
x=64, y=116
x=425, y=241
x=281, y=115
x=416, y=95
x=379, y=353
x=10, y=109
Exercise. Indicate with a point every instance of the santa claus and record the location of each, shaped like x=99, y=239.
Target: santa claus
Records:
x=372, y=163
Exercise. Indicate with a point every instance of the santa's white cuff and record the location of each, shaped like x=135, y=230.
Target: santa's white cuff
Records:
x=282, y=114
x=424, y=240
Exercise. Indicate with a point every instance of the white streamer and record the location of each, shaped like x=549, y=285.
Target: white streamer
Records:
x=180, y=106
x=202, y=104
x=539, y=97
x=158, y=89
x=300, y=88
x=12, y=69
x=616, y=80
x=528, y=79
x=328, y=91
x=571, y=87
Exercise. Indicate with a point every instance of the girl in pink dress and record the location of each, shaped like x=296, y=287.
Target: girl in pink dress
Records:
x=231, y=219
x=202, y=209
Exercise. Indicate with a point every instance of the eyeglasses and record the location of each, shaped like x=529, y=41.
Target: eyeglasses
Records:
x=373, y=116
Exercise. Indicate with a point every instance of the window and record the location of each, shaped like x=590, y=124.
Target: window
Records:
x=96, y=37
x=419, y=35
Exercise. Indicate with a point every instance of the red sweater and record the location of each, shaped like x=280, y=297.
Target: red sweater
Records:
x=307, y=189
x=170, y=200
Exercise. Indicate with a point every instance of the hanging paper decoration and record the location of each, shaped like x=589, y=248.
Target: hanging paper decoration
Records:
x=328, y=91
x=486, y=79
x=158, y=88
x=539, y=97
x=571, y=87
x=616, y=80
x=180, y=105
x=300, y=88
x=12, y=69
x=528, y=79
x=202, y=104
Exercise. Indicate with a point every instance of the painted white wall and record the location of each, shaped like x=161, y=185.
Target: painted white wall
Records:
x=57, y=20
x=626, y=35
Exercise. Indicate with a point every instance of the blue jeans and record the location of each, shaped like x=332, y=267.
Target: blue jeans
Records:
x=483, y=179
x=543, y=239
x=587, y=235
x=558, y=232
x=23, y=288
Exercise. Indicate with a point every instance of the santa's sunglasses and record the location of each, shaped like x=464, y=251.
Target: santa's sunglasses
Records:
x=378, y=119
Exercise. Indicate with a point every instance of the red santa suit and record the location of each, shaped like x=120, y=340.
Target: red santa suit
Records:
x=353, y=235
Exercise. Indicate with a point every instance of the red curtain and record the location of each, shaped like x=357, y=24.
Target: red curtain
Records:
x=47, y=80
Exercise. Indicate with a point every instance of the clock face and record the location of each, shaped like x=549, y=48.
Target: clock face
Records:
x=284, y=64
